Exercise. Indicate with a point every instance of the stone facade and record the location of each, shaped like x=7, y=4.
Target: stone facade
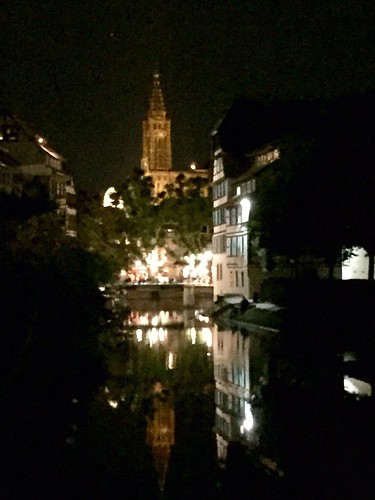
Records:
x=156, y=159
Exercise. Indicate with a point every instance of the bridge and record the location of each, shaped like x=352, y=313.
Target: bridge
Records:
x=178, y=294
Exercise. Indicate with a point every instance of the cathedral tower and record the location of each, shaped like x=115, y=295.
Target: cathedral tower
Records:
x=157, y=149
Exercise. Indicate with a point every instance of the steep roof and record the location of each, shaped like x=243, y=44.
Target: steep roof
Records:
x=23, y=145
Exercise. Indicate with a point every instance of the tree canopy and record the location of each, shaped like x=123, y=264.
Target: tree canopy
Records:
x=184, y=209
x=179, y=219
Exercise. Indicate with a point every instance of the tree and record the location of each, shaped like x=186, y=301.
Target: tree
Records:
x=17, y=209
x=184, y=209
x=51, y=317
x=297, y=210
x=139, y=212
x=354, y=127
x=99, y=230
x=316, y=200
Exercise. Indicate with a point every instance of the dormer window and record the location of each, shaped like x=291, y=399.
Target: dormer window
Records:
x=9, y=133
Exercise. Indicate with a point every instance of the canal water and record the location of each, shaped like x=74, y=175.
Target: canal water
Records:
x=162, y=368
x=225, y=413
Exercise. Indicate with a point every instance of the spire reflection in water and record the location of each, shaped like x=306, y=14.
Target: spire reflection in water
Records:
x=173, y=355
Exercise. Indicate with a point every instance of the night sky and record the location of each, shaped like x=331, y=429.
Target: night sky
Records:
x=80, y=71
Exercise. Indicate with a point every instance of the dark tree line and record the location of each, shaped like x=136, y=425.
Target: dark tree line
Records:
x=51, y=318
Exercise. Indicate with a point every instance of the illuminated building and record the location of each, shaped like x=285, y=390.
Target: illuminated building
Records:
x=233, y=271
x=250, y=140
x=157, y=146
x=156, y=163
x=167, y=263
x=25, y=156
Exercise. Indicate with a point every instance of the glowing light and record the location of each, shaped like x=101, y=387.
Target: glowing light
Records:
x=356, y=266
x=139, y=335
x=207, y=255
x=154, y=261
x=193, y=334
x=193, y=166
x=245, y=205
x=162, y=333
x=107, y=200
x=207, y=336
x=356, y=386
x=238, y=190
x=202, y=318
x=197, y=267
x=171, y=360
x=153, y=336
x=143, y=320
x=248, y=422
x=40, y=140
x=112, y=403
x=164, y=317
x=162, y=279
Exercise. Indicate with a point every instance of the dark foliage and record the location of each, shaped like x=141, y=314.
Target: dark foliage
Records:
x=51, y=316
x=316, y=200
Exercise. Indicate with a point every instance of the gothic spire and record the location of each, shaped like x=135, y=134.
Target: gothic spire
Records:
x=157, y=106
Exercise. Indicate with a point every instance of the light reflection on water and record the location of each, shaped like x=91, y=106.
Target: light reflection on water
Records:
x=152, y=327
x=233, y=417
x=172, y=352
x=161, y=343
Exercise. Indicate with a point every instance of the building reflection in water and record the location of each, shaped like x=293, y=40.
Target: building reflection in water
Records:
x=168, y=333
x=241, y=369
x=234, y=420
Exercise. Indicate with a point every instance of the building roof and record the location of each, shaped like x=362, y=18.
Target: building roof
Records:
x=250, y=125
x=24, y=146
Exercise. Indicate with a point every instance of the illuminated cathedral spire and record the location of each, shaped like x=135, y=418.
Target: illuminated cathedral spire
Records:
x=157, y=106
x=157, y=149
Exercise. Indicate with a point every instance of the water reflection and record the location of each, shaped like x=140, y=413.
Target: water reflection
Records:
x=160, y=430
x=171, y=361
x=234, y=419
